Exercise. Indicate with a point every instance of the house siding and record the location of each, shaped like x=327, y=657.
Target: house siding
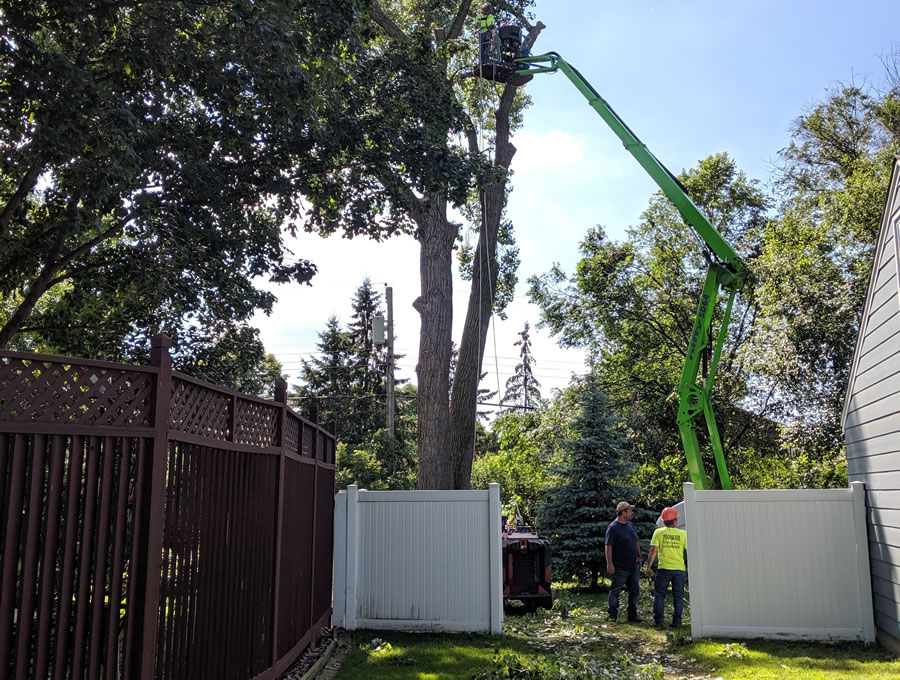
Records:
x=872, y=420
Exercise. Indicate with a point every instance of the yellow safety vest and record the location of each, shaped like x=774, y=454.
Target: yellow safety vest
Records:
x=485, y=22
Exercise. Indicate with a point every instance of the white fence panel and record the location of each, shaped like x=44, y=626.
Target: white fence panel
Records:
x=418, y=560
x=790, y=563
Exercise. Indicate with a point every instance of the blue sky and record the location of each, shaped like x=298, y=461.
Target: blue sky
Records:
x=690, y=78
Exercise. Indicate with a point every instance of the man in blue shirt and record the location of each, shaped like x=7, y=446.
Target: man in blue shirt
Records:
x=623, y=561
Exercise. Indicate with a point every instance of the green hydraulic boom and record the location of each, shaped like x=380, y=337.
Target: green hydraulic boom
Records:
x=726, y=272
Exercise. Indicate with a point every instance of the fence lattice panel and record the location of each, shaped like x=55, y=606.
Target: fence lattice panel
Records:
x=199, y=410
x=256, y=423
x=52, y=391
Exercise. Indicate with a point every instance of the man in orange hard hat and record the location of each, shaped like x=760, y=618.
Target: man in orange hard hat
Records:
x=670, y=543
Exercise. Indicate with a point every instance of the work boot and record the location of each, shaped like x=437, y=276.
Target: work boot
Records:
x=611, y=617
x=634, y=618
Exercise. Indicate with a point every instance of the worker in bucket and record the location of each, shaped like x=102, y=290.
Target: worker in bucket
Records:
x=486, y=30
x=670, y=543
x=623, y=561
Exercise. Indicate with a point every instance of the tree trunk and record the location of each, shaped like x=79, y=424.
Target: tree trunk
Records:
x=435, y=307
x=464, y=399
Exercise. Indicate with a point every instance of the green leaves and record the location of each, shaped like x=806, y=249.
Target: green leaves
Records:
x=168, y=138
x=814, y=265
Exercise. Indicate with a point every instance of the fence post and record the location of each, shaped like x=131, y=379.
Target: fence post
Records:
x=494, y=551
x=151, y=530
x=340, y=560
x=281, y=398
x=314, y=558
x=695, y=559
x=866, y=613
x=352, y=554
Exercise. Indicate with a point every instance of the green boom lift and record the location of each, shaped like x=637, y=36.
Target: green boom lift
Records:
x=726, y=268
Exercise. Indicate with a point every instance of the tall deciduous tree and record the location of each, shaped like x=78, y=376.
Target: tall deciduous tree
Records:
x=152, y=153
x=816, y=257
x=431, y=139
x=633, y=304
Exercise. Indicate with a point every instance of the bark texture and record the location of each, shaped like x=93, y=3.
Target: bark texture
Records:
x=435, y=307
x=464, y=398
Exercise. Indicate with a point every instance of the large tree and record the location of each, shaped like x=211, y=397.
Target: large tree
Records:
x=633, y=304
x=152, y=154
x=816, y=257
x=431, y=139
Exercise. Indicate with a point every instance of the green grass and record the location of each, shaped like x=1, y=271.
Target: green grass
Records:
x=575, y=641
x=775, y=659
x=425, y=656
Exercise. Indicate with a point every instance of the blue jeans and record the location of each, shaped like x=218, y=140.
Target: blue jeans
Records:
x=663, y=577
x=486, y=39
x=624, y=579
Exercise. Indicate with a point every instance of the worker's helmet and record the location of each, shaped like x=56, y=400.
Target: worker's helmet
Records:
x=669, y=514
x=486, y=8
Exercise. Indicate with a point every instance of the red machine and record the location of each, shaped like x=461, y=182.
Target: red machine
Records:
x=526, y=568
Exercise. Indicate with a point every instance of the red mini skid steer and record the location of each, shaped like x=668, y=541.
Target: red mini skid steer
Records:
x=526, y=568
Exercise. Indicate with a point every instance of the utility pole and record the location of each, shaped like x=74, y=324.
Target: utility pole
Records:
x=389, y=415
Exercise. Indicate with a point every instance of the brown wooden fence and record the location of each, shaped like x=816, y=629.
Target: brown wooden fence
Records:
x=157, y=526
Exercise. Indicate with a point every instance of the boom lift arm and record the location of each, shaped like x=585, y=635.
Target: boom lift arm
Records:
x=726, y=272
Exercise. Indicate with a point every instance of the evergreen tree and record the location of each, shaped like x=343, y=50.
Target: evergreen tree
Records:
x=523, y=389
x=326, y=378
x=365, y=413
x=575, y=513
x=346, y=381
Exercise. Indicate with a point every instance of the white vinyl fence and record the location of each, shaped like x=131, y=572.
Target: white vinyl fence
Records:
x=779, y=563
x=418, y=560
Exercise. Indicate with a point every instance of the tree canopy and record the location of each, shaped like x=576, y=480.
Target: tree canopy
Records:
x=418, y=139
x=153, y=156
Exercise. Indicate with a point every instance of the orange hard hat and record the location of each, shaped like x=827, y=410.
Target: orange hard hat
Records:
x=669, y=513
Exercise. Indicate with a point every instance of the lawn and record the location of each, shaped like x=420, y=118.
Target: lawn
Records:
x=574, y=641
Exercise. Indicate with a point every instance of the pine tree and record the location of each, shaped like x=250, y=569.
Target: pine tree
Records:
x=523, y=389
x=347, y=382
x=367, y=364
x=327, y=377
x=574, y=515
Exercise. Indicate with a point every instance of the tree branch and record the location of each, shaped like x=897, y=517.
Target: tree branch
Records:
x=25, y=187
x=459, y=20
x=87, y=245
x=380, y=17
x=472, y=137
x=505, y=151
x=40, y=284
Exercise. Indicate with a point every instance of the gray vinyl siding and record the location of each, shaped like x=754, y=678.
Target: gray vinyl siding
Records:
x=872, y=419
